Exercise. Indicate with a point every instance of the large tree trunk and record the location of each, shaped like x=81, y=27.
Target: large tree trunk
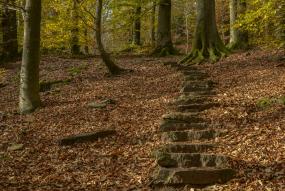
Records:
x=9, y=31
x=137, y=24
x=164, y=44
x=29, y=86
x=74, y=41
x=112, y=67
x=238, y=39
x=207, y=43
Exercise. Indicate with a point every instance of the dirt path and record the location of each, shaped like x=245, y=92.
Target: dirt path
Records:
x=248, y=90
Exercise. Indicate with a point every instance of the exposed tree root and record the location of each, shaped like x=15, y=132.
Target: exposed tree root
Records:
x=199, y=56
x=238, y=46
x=165, y=51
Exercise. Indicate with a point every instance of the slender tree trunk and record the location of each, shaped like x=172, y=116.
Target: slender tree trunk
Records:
x=207, y=43
x=281, y=18
x=238, y=39
x=86, y=47
x=29, y=86
x=164, y=44
x=9, y=31
x=187, y=30
x=74, y=41
x=152, y=29
x=112, y=67
x=137, y=25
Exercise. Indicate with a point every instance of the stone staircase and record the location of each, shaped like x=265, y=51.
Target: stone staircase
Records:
x=185, y=159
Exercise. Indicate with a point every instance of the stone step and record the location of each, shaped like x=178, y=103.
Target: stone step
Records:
x=199, y=93
x=194, y=107
x=195, y=76
x=185, y=100
x=188, y=160
x=192, y=176
x=185, y=69
x=175, y=125
x=182, y=136
x=190, y=89
x=190, y=86
x=183, y=117
x=194, y=72
x=185, y=147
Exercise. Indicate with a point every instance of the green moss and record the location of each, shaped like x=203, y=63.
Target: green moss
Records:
x=264, y=102
x=268, y=102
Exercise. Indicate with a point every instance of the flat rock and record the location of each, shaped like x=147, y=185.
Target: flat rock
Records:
x=186, y=69
x=195, y=76
x=185, y=100
x=102, y=104
x=197, y=86
x=183, y=136
x=15, y=147
x=2, y=85
x=195, y=107
x=187, y=147
x=194, y=72
x=173, y=125
x=199, y=93
x=192, y=176
x=188, y=160
x=86, y=137
x=183, y=117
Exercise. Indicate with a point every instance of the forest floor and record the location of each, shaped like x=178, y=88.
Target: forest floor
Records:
x=250, y=89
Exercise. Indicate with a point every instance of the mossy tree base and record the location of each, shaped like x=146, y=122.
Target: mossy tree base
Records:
x=165, y=51
x=199, y=56
x=238, y=46
x=207, y=44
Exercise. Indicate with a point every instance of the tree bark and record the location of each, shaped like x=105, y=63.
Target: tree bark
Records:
x=9, y=32
x=164, y=44
x=137, y=25
x=152, y=30
x=281, y=18
x=238, y=39
x=74, y=41
x=207, y=44
x=29, y=86
x=112, y=67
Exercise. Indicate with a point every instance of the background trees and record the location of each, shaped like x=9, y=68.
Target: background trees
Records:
x=67, y=26
x=74, y=27
x=9, y=31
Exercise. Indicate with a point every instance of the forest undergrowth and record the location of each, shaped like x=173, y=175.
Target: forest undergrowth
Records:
x=250, y=91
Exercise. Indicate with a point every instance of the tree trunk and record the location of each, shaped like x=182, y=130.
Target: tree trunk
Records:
x=207, y=43
x=29, y=86
x=137, y=25
x=112, y=67
x=152, y=30
x=74, y=41
x=238, y=39
x=9, y=31
x=164, y=44
x=86, y=47
x=281, y=22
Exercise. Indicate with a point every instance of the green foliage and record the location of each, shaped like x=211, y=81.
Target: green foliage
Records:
x=265, y=21
x=267, y=102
